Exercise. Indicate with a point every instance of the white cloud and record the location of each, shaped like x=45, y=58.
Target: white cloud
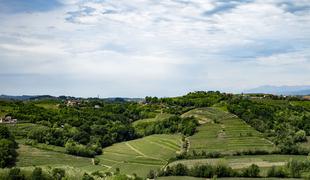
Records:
x=173, y=43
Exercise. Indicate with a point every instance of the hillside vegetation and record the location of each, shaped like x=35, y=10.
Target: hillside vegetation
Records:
x=201, y=134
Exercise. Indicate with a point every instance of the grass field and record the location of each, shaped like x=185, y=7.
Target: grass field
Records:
x=224, y=132
x=240, y=162
x=141, y=155
x=159, y=117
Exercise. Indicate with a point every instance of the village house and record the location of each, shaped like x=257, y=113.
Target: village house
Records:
x=8, y=119
x=72, y=102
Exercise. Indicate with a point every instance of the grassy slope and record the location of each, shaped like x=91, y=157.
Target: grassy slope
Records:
x=137, y=156
x=159, y=117
x=141, y=155
x=228, y=134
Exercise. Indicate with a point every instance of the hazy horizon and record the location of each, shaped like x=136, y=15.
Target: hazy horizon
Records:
x=151, y=48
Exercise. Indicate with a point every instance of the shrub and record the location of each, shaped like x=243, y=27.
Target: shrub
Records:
x=180, y=170
x=15, y=174
x=252, y=171
x=277, y=172
x=96, y=161
x=37, y=174
x=151, y=174
x=98, y=173
x=79, y=149
x=87, y=177
x=58, y=173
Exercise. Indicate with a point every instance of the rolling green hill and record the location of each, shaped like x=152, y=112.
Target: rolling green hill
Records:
x=224, y=132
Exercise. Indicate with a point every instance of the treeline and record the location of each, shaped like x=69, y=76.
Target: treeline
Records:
x=8, y=148
x=206, y=171
x=285, y=124
x=59, y=173
x=174, y=124
x=179, y=105
x=293, y=169
x=86, y=140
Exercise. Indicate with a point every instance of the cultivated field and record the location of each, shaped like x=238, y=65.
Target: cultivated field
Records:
x=224, y=132
x=141, y=155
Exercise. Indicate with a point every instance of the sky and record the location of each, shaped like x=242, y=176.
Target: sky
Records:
x=138, y=48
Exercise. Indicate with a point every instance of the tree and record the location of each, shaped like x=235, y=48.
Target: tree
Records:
x=8, y=148
x=15, y=174
x=58, y=173
x=300, y=136
x=37, y=174
x=180, y=170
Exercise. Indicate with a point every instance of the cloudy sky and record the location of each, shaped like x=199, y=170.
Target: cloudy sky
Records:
x=151, y=47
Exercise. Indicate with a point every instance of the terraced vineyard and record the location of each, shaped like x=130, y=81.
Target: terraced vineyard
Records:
x=224, y=132
x=141, y=155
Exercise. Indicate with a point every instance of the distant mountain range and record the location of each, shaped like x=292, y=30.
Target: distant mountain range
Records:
x=41, y=97
x=281, y=90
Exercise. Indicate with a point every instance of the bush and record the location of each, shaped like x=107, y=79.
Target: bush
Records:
x=37, y=174
x=98, y=174
x=295, y=168
x=58, y=173
x=15, y=174
x=87, y=177
x=79, y=149
x=96, y=161
x=151, y=174
x=277, y=172
x=252, y=171
x=180, y=170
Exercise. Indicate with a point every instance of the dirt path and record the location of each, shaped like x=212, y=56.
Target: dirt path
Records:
x=136, y=150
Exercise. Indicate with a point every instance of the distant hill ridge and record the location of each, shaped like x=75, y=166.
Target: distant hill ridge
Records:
x=41, y=97
x=281, y=90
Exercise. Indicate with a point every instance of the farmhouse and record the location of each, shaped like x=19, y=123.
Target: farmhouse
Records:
x=72, y=102
x=8, y=119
